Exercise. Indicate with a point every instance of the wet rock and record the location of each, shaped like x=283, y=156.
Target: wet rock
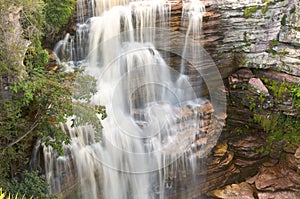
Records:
x=234, y=191
x=220, y=150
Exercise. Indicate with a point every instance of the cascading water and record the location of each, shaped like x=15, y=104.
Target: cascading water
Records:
x=152, y=118
x=192, y=17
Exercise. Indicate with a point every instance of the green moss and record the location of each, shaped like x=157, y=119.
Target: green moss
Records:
x=271, y=51
x=264, y=8
x=296, y=47
x=283, y=53
x=249, y=11
x=273, y=43
x=293, y=10
x=252, y=106
x=283, y=20
x=279, y=127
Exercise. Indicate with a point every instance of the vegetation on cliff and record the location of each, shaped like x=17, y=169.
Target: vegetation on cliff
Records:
x=280, y=125
x=33, y=100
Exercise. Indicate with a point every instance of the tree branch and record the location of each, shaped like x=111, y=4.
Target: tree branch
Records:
x=32, y=127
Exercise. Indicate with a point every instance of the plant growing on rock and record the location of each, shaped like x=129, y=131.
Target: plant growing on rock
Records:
x=58, y=13
x=33, y=100
x=279, y=126
x=296, y=94
x=249, y=11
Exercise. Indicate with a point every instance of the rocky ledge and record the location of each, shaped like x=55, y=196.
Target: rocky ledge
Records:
x=254, y=34
x=266, y=158
x=279, y=181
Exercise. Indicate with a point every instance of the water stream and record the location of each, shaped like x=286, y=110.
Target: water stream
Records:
x=152, y=110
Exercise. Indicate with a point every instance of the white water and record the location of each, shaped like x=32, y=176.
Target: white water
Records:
x=145, y=129
x=192, y=15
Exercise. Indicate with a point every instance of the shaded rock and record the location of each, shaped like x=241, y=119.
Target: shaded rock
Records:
x=244, y=74
x=247, y=147
x=246, y=163
x=291, y=162
x=297, y=153
x=276, y=178
x=240, y=78
x=53, y=61
x=279, y=195
x=277, y=76
x=271, y=162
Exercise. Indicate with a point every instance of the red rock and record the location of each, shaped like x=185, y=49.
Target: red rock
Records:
x=257, y=84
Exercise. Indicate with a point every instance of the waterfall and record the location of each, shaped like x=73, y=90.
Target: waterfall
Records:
x=152, y=117
x=192, y=17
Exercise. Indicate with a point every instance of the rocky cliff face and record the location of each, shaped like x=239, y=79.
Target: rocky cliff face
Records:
x=13, y=48
x=255, y=34
x=256, y=47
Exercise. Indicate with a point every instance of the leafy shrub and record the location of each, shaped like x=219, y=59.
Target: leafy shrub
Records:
x=32, y=185
x=59, y=12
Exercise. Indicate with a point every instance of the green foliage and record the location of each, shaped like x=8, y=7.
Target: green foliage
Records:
x=271, y=51
x=283, y=53
x=10, y=196
x=59, y=12
x=35, y=101
x=279, y=90
x=32, y=19
x=264, y=8
x=249, y=11
x=239, y=59
x=279, y=128
x=295, y=91
x=31, y=185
